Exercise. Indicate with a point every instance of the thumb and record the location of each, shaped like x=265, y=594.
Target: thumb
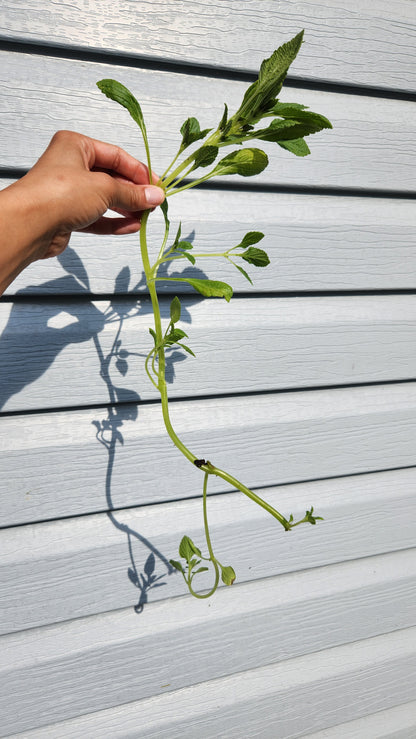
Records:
x=130, y=197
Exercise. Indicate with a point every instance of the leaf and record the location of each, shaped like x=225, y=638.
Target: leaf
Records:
x=187, y=349
x=189, y=257
x=191, y=132
x=175, y=309
x=120, y=94
x=262, y=93
x=187, y=548
x=243, y=272
x=177, y=565
x=175, y=335
x=299, y=147
x=300, y=114
x=245, y=162
x=164, y=208
x=282, y=129
x=153, y=333
x=185, y=245
x=223, y=121
x=227, y=575
x=211, y=288
x=251, y=237
x=201, y=569
x=205, y=156
x=258, y=257
x=122, y=366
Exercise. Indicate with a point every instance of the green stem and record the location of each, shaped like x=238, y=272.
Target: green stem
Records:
x=210, y=550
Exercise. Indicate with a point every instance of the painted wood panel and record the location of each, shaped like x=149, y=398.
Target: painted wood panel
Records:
x=61, y=672
x=344, y=41
x=395, y=723
x=314, y=243
x=53, y=464
x=371, y=145
x=56, y=354
x=92, y=564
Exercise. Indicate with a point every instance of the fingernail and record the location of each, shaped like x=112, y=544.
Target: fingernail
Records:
x=154, y=195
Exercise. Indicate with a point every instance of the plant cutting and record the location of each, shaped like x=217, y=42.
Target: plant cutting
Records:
x=261, y=116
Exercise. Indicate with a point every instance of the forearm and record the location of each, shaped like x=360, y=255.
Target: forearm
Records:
x=25, y=225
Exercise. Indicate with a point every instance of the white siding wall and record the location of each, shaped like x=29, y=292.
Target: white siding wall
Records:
x=304, y=386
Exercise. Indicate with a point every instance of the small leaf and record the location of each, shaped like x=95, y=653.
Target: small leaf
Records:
x=227, y=575
x=153, y=333
x=175, y=335
x=185, y=245
x=189, y=257
x=175, y=309
x=243, y=272
x=201, y=569
x=245, y=162
x=164, y=208
x=187, y=349
x=187, y=548
x=120, y=94
x=258, y=257
x=251, y=237
x=299, y=147
x=191, y=132
x=224, y=118
x=205, y=156
x=122, y=366
x=211, y=288
x=176, y=565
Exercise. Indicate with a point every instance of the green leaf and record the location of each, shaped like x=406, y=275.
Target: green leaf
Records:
x=262, y=93
x=120, y=94
x=153, y=333
x=185, y=245
x=223, y=121
x=177, y=565
x=299, y=147
x=245, y=162
x=201, y=569
x=251, y=237
x=175, y=309
x=187, y=548
x=205, y=156
x=191, y=132
x=258, y=257
x=243, y=272
x=189, y=257
x=211, y=288
x=187, y=349
x=301, y=114
x=286, y=129
x=164, y=208
x=175, y=335
x=227, y=575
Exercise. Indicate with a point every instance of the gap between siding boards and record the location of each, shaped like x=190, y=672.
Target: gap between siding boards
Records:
x=190, y=68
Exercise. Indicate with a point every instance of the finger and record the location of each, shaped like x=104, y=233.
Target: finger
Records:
x=132, y=198
x=113, y=158
x=116, y=226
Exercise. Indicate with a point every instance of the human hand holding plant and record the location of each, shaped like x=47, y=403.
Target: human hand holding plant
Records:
x=290, y=123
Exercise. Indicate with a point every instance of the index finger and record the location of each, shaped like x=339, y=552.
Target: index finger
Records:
x=114, y=159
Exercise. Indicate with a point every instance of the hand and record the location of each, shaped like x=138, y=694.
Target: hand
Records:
x=69, y=189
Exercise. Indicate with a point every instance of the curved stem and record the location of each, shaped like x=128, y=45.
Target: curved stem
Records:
x=209, y=545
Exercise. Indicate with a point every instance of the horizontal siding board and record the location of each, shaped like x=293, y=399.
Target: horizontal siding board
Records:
x=314, y=243
x=79, y=567
x=395, y=723
x=344, y=41
x=104, y=662
x=52, y=464
x=54, y=354
x=370, y=146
